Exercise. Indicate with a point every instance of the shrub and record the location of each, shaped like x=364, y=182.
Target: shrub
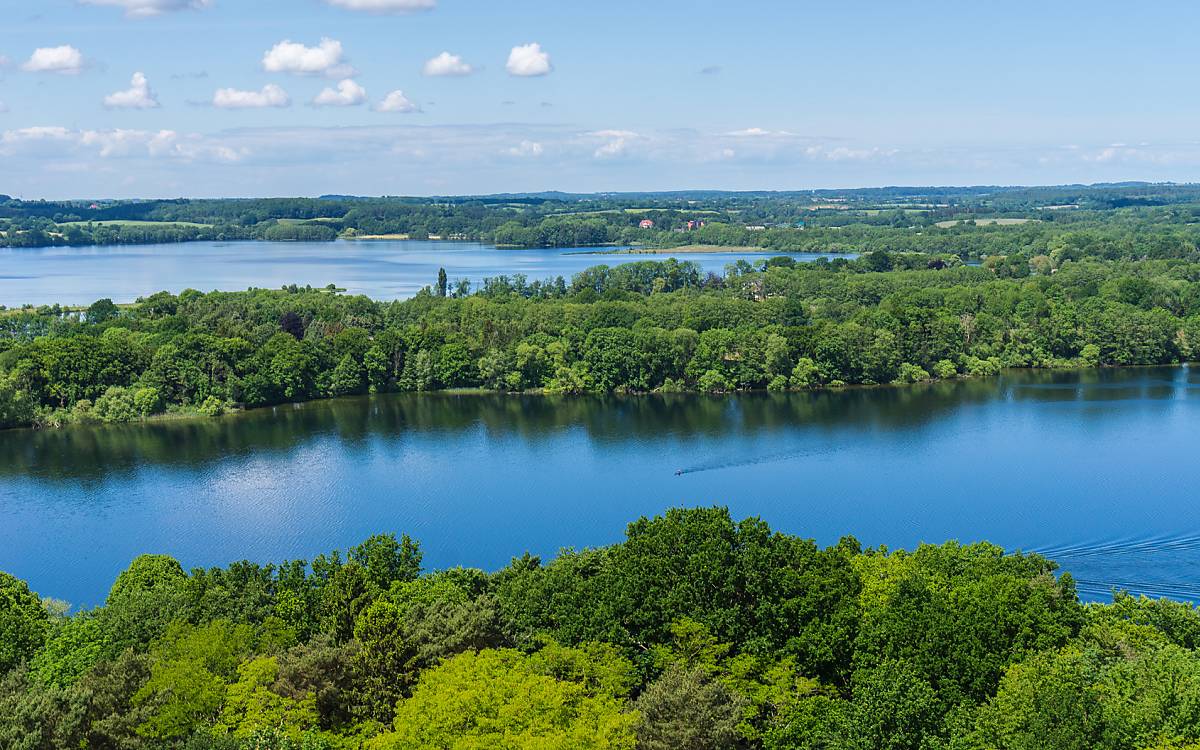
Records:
x=910, y=373
x=212, y=407
x=945, y=369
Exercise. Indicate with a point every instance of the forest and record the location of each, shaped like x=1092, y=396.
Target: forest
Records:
x=1127, y=221
x=651, y=326
x=696, y=631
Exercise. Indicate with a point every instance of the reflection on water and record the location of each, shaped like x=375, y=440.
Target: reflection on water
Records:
x=1093, y=468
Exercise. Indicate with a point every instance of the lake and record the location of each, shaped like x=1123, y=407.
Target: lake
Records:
x=1096, y=469
x=381, y=269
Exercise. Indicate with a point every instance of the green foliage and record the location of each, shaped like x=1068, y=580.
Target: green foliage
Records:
x=143, y=600
x=910, y=373
x=685, y=709
x=945, y=369
x=75, y=645
x=639, y=327
x=499, y=698
x=696, y=631
x=957, y=616
x=312, y=232
x=252, y=708
x=102, y=311
x=24, y=623
x=1114, y=688
x=749, y=587
x=385, y=560
x=211, y=407
x=189, y=671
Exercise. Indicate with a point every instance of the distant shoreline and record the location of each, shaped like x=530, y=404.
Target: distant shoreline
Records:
x=685, y=249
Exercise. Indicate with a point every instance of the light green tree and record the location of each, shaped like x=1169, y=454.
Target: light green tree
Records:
x=504, y=699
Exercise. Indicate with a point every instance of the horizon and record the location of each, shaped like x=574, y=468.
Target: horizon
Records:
x=613, y=193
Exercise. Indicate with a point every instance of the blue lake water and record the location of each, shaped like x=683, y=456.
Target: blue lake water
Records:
x=1097, y=469
x=381, y=269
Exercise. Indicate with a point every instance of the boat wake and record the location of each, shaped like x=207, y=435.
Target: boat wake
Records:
x=737, y=463
x=1126, y=559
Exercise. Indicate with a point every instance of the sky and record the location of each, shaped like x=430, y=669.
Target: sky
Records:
x=214, y=98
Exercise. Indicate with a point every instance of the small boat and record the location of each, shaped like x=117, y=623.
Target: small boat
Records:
x=678, y=472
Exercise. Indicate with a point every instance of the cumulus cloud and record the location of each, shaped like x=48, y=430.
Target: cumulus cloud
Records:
x=396, y=101
x=447, y=64
x=526, y=149
x=137, y=96
x=292, y=57
x=64, y=59
x=529, y=60
x=270, y=96
x=148, y=8
x=384, y=6
x=347, y=94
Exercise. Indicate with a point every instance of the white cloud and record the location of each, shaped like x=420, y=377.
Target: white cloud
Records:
x=526, y=149
x=293, y=57
x=122, y=142
x=384, y=6
x=347, y=94
x=270, y=96
x=57, y=141
x=529, y=60
x=618, y=142
x=447, y=64
x=397, y=102
x=147, y=8
x=32, y=135
x=613, y=134
x=65, y=59
x=841, y=153
x=611, y=149
x=137, y=96
x=3, y=108
x=759, y=133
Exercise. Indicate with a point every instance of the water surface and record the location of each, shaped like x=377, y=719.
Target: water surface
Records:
x=381, y=269
x=1096, y=468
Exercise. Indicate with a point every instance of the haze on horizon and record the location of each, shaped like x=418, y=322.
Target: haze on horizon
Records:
x=154, y=98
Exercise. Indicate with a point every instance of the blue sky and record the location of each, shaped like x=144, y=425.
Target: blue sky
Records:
x=620, y=95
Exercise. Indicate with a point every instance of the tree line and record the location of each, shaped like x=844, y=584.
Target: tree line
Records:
x=633, y=328
x=696, y=631
x=1113, y=222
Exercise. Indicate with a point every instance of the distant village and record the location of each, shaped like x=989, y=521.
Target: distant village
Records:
x=695, y=224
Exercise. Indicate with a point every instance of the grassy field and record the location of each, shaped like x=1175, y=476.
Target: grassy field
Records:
x=302, y=221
